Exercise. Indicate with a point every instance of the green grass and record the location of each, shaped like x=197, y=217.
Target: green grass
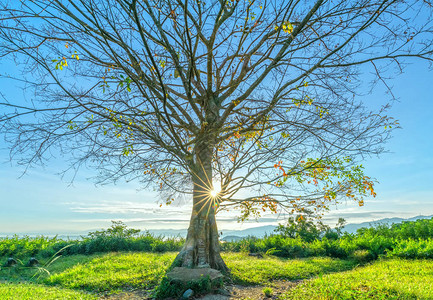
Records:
x=21, y=273
x=388, y=279
x=115, y=271
x=23, y=291
x=253, y=271
x=112, y=272
x=73, y=277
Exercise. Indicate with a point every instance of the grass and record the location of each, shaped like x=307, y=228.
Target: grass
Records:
x=387, y=279
x=28, y=291
x=111, y=273
x=21, y=273
x=83, y=277
x=253, y=271
x=114, y=271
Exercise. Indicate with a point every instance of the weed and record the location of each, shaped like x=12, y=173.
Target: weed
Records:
x=268, y=291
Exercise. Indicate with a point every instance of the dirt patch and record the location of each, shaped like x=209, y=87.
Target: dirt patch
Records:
x=129, y=295
x=231, y=291
x=253, y=292
x=256, y=292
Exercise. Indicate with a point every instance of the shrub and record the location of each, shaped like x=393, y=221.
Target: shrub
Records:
x=25, y=246
x=333, y=249
x=114, y=239
x=413, y=249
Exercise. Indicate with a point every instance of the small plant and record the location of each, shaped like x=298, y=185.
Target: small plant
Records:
x=44, y=269
x=268, y=291
x=272, y=251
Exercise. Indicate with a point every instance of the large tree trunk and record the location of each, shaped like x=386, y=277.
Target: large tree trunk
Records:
x=202, y=247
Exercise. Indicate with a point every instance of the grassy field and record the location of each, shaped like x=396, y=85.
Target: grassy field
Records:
x=388, y=279
x=89, y=277
x=28, y=291
x=112, y=272
x=252, y=271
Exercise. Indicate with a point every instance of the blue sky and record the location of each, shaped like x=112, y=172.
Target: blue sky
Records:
x=41, y=202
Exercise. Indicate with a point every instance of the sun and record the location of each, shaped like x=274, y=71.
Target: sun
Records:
x=214, y=192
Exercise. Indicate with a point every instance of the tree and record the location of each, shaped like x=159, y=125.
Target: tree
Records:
x=303, y=227
x=248, y=105
x=340, y=225
x=118, y=229
x=308, y=229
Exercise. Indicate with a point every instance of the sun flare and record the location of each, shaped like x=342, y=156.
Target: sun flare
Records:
x=213, y=193
x=216, y=189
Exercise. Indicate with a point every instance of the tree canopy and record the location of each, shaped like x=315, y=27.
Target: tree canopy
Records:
x=243, y=104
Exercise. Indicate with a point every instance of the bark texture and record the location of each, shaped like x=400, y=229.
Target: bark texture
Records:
x=202, y=248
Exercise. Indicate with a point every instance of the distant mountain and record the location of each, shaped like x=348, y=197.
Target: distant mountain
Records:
x=168, y=232
x=231, y=238
x=255, y=231
x=63, y=235
x=260, y=231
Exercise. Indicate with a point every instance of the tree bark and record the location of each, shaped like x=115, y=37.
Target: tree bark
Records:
x=202, y=248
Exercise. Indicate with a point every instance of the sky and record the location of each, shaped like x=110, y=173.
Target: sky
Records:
x=39, y=201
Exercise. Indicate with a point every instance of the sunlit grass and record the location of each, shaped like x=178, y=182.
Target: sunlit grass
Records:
x=145, y=270
x=252, y=271
x=73, y=277
x=23, y=291
x=114, y=271
x=389, y=279
x=44, y=270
